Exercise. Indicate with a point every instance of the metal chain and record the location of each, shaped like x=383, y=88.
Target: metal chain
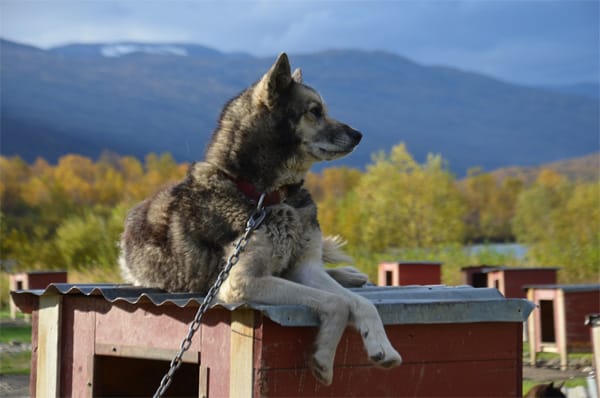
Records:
x=254, y=221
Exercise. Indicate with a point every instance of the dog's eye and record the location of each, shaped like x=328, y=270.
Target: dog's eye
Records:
x=316, y=111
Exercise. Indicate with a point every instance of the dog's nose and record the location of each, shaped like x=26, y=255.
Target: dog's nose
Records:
x=355, y=135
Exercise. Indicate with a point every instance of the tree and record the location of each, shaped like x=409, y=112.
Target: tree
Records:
x=405, y=204
x=560, y=221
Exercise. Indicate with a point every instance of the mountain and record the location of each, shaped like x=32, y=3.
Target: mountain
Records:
x=589, y=90
x=584, y=168
x=167, y=97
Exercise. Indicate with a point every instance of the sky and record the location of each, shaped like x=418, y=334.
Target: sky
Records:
x=539, y=42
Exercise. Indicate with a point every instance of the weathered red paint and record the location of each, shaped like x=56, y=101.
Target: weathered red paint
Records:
x=577, y=306
x=439, y=360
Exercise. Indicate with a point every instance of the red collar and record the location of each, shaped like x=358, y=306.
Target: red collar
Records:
x=271, y=198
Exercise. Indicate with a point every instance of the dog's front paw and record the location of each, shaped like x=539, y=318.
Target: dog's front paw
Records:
x=348, y=276
x=386, y=358
x=321, y=371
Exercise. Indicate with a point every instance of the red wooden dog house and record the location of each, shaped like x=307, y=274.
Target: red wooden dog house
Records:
x=117, y=341
x=558, y=323
x=33, y=280
x=508, y=280
x=406, y=273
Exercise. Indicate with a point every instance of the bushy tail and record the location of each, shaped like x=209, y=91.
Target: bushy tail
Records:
x=333, y=252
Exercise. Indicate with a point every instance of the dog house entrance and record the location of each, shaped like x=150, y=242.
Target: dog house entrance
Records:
x=389, y=278
x=134, y=377
x=479, y=279
x=547, y=321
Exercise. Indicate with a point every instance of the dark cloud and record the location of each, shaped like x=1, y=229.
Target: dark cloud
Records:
x=533, y=42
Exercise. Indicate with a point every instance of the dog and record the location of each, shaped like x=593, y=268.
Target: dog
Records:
x=266, y=140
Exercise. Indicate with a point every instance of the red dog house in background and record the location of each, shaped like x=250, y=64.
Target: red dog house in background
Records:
x=508, y=280
x=558, y=322
x=114, y=340
x=33, y=280
x=409, y=273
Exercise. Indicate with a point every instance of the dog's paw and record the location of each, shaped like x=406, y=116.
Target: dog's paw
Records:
x=348, y=276
x=386, y=358
x=323, y=373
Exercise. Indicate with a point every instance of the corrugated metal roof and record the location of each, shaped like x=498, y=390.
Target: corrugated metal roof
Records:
x=491, y=268
x=396, y=305
x=567, y=288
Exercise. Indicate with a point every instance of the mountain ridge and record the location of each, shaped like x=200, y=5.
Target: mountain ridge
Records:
x=139, y=103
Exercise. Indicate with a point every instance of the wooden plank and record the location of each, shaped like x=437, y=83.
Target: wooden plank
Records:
x=125, y=351
x=284, y=347
x=161, y=327
x=215, y=350
x=241, y=357
x=203, y=382
x=77, y=350
x=560, y=325
x=532, y=325
x=48, y=354
x=34, y=347
x=436, y=379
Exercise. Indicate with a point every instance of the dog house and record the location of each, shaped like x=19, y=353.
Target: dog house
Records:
x=558, y=322
x=115, y=340
x=409, y=273
x=33, y=280
x=508, y=280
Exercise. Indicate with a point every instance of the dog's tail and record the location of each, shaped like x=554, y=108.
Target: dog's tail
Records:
x=333, y=252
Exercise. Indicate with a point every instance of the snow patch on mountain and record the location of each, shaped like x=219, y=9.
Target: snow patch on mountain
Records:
x=118, y=50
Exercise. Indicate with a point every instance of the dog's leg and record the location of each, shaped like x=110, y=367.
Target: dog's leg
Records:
x=251, y=280
x=333, y=312
x=363, y=314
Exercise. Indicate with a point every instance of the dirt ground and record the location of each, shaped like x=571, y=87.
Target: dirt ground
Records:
x=550, y=374
x=14, y=385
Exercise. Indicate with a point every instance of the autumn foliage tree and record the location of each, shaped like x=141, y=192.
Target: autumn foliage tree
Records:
x=560, y=223
x=70, y=215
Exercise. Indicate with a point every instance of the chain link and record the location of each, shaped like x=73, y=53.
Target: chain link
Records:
x=256, y=218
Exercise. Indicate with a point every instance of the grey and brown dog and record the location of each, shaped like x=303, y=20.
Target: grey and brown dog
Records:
x=267, y=139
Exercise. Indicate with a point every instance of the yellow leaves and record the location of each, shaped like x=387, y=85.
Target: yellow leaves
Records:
x=396, y=203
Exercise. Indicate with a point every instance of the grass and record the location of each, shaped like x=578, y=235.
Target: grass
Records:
x=17, y=363
x=11, y=333
x=12, y=363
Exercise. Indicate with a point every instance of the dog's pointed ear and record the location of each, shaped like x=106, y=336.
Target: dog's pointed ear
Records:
x=297, y=76
x=276, y=81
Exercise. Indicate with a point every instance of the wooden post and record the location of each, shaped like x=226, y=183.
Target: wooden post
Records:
x=594, y=322
x=48, y=354
x=241, y=353
x=561, y=328
x=531, y=324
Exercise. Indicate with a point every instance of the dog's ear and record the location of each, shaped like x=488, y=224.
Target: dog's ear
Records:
x=276, y=81
x=297, y=76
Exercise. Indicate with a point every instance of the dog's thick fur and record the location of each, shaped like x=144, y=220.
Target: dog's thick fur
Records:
x=267, y=138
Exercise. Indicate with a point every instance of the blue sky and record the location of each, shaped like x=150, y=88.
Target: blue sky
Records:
x=529, y=42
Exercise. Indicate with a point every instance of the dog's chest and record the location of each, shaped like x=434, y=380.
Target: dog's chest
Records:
x=293, y=233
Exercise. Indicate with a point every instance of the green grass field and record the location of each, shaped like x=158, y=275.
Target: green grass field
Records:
x=17, y=362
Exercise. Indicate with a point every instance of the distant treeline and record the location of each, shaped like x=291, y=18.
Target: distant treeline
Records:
x=70, y=215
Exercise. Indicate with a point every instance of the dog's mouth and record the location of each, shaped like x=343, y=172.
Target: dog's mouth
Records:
x=324, y=152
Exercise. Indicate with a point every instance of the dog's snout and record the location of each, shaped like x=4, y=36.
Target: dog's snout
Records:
x=355, y=135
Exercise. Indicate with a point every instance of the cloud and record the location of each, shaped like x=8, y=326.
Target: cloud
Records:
x=526, y=41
